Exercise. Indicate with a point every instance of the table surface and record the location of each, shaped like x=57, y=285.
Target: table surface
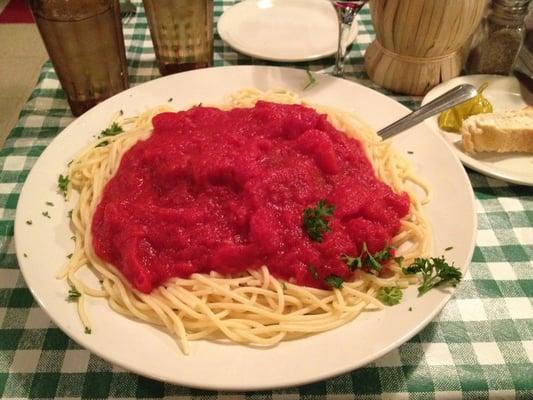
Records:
x=480, y=346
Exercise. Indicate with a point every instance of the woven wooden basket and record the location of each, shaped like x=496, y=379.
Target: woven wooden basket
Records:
x=420, y=43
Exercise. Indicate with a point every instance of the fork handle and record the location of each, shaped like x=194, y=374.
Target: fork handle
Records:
x=451, y=98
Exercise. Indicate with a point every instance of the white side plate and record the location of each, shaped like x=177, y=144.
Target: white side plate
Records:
x=282, y=30
x=505, y=94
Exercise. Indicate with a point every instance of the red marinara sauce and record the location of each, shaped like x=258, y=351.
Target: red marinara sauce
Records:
x=224, y=191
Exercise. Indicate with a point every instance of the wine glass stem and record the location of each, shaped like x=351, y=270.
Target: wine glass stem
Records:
x=345, y=14
x=344, y=33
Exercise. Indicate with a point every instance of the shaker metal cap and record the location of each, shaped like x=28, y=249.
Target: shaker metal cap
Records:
x=514, y=5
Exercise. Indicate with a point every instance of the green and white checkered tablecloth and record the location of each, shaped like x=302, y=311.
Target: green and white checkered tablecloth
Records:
x=480, y=346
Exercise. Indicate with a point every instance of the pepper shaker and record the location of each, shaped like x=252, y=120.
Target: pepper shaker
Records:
x=502, y=36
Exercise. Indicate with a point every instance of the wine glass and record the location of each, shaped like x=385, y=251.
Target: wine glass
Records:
x=346, y=11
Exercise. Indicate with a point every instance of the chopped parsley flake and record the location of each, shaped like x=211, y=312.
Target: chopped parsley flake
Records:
x=69, y=256
x=390, y=295
x=25, y=255
x=73, y=294
x=366, y=259
x=45, y=214
x=334, y=281
x=352, y=262
x=49, y=203
x=448, y=248
x=113, y=130
x=62, y=184
x=284, y=286
x=170, y=99
x=385, y=254
x=410, y=308
x=398, y=261
x=373, y=261
x=315, y=220
x=29, y=222
x=312, y=271
x=103, y=143
x=88, y=331
x=70, y=214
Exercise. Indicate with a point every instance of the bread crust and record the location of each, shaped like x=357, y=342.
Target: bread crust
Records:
x=506, y=132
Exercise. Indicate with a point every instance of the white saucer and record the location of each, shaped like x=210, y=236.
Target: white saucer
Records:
x=505, y=94
x=282, y=30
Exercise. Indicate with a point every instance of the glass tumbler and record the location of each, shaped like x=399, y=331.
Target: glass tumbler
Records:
x=85, y=42
x=182, y=33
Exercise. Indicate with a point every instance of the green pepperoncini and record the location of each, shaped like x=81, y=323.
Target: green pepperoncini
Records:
x=451, y=120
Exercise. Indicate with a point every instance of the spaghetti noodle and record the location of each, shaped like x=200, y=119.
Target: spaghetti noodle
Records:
x=252, y=307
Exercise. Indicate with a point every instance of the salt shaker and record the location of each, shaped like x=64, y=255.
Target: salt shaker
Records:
x=501, y=38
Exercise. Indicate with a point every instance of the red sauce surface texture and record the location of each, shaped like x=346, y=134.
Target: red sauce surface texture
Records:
x=226, y=190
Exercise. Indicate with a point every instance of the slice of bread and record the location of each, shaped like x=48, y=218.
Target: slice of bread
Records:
x=510, y=131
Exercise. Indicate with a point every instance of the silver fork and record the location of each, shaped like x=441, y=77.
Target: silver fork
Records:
x=127, y=10
x=451, y=98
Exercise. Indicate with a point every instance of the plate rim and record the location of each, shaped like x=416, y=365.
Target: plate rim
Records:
x=476, y=165
x=206, y=385
x=222, y=29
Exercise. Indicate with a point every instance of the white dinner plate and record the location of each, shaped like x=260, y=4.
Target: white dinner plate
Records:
x=505, y=94
x=282, y=30
x=148, y=351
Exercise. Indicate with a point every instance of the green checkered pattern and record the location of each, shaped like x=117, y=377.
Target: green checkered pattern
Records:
x=480, y=346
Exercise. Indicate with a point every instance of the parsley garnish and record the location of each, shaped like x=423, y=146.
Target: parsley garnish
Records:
x=384, y=255
x=29, y=222
x=410, y=152
x=283, y=285
x=73, y=294
x=121, y=112
x=62, y=184
x=310, y=79
x=49, y=203
x=25, y=255
x=334, y=281
x=315, y=220
x=87, y=330
x=366, y=259
x=398, y=261
x=312, y=271
x=103, y=143
x=170, y=99
x=390, y=295
x=113, y=130
x=69, y=256
x=70, y=214
x=435, y=272
x=45, y=214
x=352, y=262
x=448, y=248
x=410, y=308
x=70, y=163
x=370, y=261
